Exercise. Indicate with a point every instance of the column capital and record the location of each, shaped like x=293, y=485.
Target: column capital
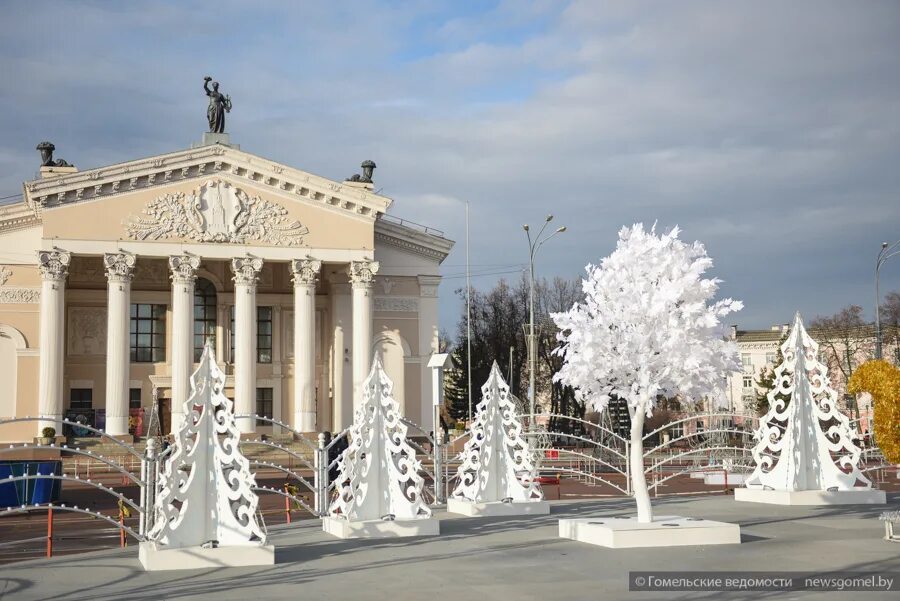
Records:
x=54, y=264
x=362, y=273
x=305, y=271
x=246, y=270
x=428, y=285
x=184, y=268
x=119, y=266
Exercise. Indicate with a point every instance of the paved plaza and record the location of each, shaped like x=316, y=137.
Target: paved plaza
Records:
x=490, y=558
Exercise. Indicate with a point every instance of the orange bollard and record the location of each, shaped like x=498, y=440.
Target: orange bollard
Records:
x=49, y=531
x=287, y=509
x=123, y=542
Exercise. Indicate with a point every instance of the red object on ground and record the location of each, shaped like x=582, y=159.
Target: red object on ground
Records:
x=551, y=453
x=50, y=531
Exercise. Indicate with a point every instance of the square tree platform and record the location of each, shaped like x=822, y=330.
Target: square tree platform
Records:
x=381, y=528
x=864, y=496
x=498, y=508
x=156, y=557
x=663, y=531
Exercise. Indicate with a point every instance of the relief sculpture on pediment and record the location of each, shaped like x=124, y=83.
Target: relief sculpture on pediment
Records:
x=216, y=212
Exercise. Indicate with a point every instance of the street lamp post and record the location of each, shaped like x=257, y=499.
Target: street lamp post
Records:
x=533, y=247
x=887, y=251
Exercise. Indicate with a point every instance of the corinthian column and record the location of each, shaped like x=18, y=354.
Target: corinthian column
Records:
x=306, y=272
x=54, y=266
x=246, y=271
x=119, y=271
x=362, y=278
x=183, y=269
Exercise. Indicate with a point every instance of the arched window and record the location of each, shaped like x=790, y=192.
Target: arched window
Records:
x=204, y=314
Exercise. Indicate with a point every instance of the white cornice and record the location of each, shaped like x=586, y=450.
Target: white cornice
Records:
x=412, y=240
x=197, y=163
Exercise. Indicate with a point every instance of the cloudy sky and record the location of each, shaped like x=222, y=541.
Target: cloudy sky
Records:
x=769, y=130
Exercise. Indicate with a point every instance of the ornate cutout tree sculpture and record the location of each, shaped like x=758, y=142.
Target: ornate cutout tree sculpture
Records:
x=379, y=481
x=805, y=443
x=647, y=327
x=497, y=475
x=205, y=513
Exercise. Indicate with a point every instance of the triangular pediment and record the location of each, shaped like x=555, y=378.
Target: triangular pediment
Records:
x=201, y=164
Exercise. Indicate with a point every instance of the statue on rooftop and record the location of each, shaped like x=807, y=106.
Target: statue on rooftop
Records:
x=368, y=168
x=219, y=104
x=46, y=149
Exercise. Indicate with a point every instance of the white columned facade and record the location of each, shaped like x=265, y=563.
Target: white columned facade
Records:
x=362, y=278
x=246, y=272
x=54, y=266
x=342, y=383
x=305, y=274
x=183, y=268
x=119, y=271
x=428, y=343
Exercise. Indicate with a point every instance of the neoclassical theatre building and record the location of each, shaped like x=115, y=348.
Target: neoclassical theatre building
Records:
x=112, y=280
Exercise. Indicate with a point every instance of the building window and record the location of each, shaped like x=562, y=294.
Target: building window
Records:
x=749, y=400
x=204, y=315
x=748, y=382
x=770, y=358
x=134, y=398
x=746, y=362
x=81, y=398
x=263, y=404
x=148, y=333
x=263, y=334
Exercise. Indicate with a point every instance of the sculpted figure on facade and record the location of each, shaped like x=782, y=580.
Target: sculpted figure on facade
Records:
x=219, y=104
x=216, y=212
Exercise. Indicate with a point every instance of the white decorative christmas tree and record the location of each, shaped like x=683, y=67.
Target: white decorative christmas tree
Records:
x=379, y=481
x=205, y=512
x=497, y=476
x=805, y=454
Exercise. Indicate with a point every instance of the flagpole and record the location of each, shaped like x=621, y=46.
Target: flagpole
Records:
x=468, y=317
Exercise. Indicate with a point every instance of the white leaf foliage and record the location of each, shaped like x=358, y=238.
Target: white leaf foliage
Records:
x=206, y=489
x=648, y=325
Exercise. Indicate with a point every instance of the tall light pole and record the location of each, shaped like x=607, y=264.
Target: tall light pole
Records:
x=887, y=251
x=533, y=247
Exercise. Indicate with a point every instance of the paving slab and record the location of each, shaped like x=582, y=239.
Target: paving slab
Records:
x=520, y=557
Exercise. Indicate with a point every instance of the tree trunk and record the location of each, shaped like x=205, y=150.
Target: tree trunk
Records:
x=638, y=480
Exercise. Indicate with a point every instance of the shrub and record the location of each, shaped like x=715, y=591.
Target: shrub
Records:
x=48, y=432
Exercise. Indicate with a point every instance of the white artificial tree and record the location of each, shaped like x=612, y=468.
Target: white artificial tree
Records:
x=206, y=491
x=379, y=475
x=648, y=326
x=497, y=459
x=805, y=443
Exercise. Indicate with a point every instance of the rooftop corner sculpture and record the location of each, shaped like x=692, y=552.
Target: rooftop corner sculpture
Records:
x=805, y=443
x=368, y=168
x=206, y=495
x=497, y=462
x=219, y=104
x=46, y=149
x=379, y=476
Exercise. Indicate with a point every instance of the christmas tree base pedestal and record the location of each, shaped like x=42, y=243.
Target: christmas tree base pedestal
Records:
x=155, y=557
x=664, y=531
x=498, y=508
x=342, y=528
x=865, y=496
